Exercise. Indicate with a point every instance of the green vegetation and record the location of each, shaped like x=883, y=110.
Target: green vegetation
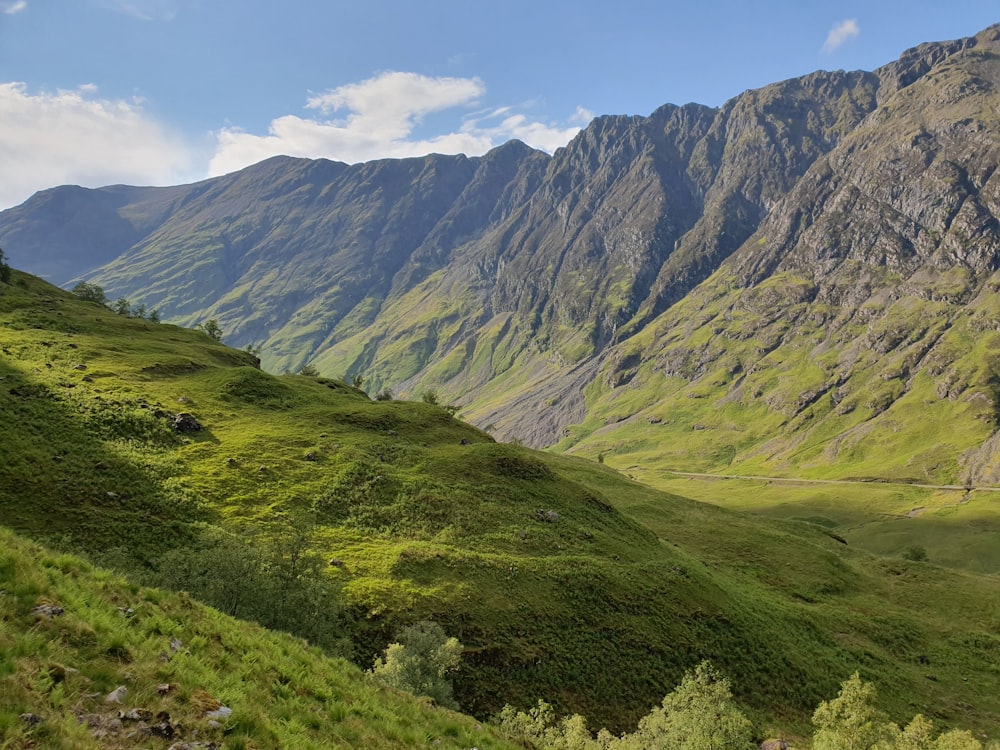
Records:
x=72, y=634
x=90, y=293
x=212, y=329
x=699, y=714
x=420, y=662
x=409, y=515
x=853, y=721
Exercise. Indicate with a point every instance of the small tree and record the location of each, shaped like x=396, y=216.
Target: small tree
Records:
x=4, y=269
x=122, y=306
x=699, y=714
x=420, y=661
x=358, y=380
x=154, y=315
x=212, y=329
x=309, y=370
x=919, y=735
x=851, y=721
x=539, y=727
x=384, y=395
x=90, y=293
x=429, y=397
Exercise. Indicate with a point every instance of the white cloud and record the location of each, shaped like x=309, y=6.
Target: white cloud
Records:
x=71, y=137
x=12, y=8
x=840, y=33
x=78, y=137
x=144, y=10
x=380, y=116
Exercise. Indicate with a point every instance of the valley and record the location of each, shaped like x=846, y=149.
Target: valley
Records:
x=714, y=384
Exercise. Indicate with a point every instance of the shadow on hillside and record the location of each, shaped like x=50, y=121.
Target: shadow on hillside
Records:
x=61, y=482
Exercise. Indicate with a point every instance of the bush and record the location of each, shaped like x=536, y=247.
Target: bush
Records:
x=915, y=553
x=279, y=583
x=90, y=293
x=850, y=721
x=699, y=714
x=212, y=328
x=420, y=661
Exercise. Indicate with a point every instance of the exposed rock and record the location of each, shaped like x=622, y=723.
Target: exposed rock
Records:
x=48, y=610
x=548, y=516
x=164, y=729
x=185, y=422
x=136, y=714
x=219, y=714
x=117, y=695
x=32, y=720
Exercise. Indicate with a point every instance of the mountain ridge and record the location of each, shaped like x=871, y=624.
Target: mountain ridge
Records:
x=507, y=282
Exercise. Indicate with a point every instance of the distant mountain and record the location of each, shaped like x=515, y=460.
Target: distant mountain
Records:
x=781, y=271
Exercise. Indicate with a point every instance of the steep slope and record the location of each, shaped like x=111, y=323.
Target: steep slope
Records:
x=564, y=580
x=500, y=280
x=71, y=635
x=858, y=316
x=853, y=336
x=68, y=231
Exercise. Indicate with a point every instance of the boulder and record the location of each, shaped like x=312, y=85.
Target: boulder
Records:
x=185, y=422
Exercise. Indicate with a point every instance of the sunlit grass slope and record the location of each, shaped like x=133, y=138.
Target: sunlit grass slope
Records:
x=564, y=580
x=179, y=660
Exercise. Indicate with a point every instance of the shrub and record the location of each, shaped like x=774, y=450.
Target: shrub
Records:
x=419, y=662
x=212, y=329
x=90, y=293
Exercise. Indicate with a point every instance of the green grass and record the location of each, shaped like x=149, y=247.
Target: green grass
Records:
x=763, y=382
x=564, y=580
x=282, y=693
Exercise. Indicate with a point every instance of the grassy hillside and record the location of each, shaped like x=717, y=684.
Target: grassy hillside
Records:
x=564, y=580
x=178, y=661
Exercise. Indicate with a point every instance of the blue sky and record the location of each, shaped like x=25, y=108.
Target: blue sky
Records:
x=95, y=92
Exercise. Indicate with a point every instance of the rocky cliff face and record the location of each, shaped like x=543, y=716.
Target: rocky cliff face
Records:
x=861, y=312
x=830, y=210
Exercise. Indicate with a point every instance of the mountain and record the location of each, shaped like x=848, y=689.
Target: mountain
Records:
x=853, y=334
x=800, y=283
x=563, y=579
